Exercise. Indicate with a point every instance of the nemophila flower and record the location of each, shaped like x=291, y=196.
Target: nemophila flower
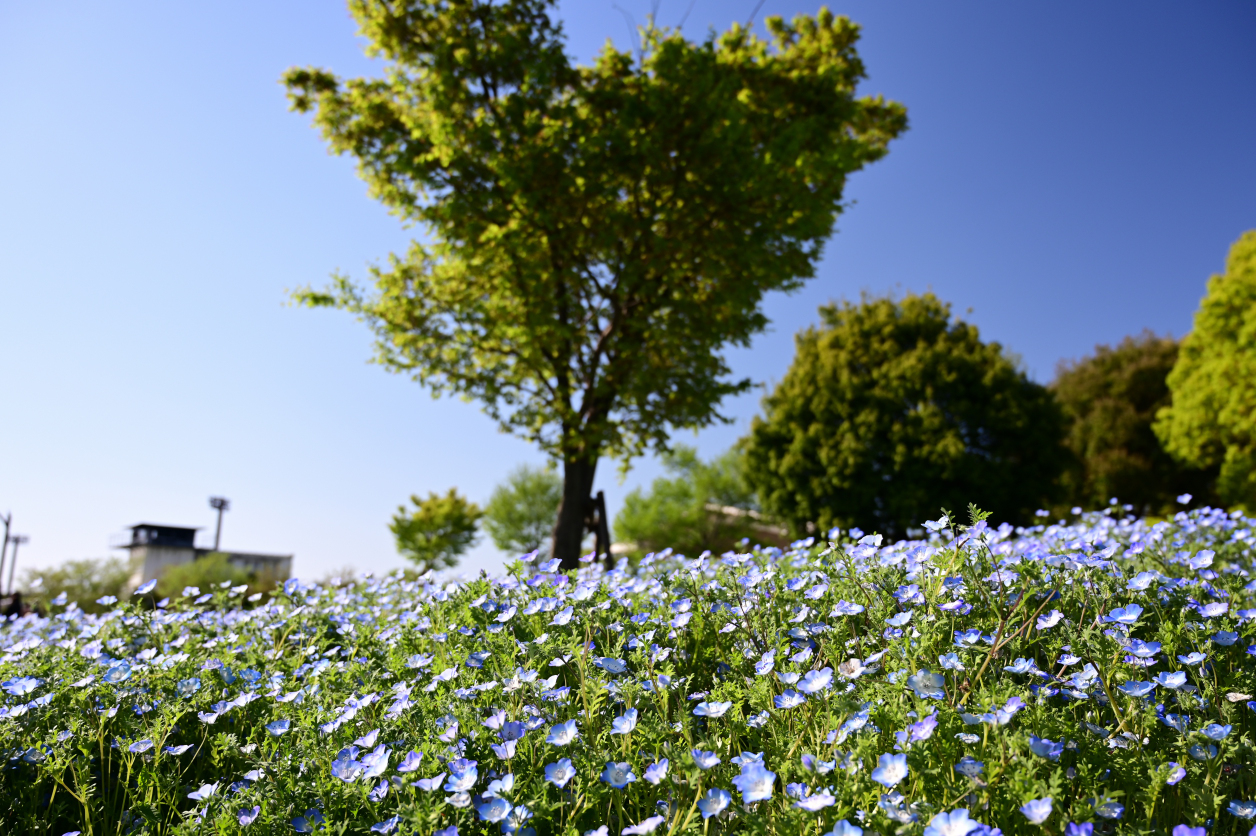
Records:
x=1109, y=810
x=891, y=769
x=644, y=826
x=1214, y=731
x=846, y=608
x=714, y=802
x=625, y=723
x=386, y=826
x=1127, y=615
x=278, y=727
x=248, y=815
x=816, y=801
x=1046, y=622
x=561, y=772
x=1172, y=681
x=1192, y=658
x=1176, y=773
x=177, y=750
x=429, y=784
x=704, y=760
x=953, y=823
x=789, y=699
x=1136, y=689
x=755, y=782
x=969, y=768
x=1214, y=609
x=1075, y=829
x=967, y=638
x=1242, y=809
x=712, y=709
x=950, y=662
x=411, y=762
x=140, y=746
x=816, y=681
x=307, y=823
x=204, y=793
x=562, y=734
x=21, y=686
x=657, y=771
x=900, y=619
x=118, y=672
x=1037, y=811
x=494, y=810
x=787, y=677
x=1044, y=748
x=618, y=775
x=610, y=665
x=1225, y=638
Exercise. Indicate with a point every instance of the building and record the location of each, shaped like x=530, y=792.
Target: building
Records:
x=155, y=548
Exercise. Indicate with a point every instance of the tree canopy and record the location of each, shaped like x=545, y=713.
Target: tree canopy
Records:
x=891, y=411
x=693, y=509
x=1110, y=400
x=519, y=515
x=437, y=531
x=1212, y=419
x=593, y=236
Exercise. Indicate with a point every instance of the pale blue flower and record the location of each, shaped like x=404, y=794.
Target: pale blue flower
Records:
x=206, y=792
x=1243, y=809
x=755, y=782
x=625, y=723
x=712, y=709
x=891, y=769
x=1038, y=810
x=140, y=746
x=657, y=771
x=618, y=775
x=845, y=828
x=386, y=826
x=246, y=816
x=1044, y=748
x=954, y=823
x=561, y=772
x=704, y=760
x=562, y=734
x=494, y=810
x=789, y=699
x=644, y=826
x=278, y=727
x=714, y=802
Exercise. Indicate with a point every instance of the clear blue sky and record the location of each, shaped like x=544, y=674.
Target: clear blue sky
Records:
x=1073, y=174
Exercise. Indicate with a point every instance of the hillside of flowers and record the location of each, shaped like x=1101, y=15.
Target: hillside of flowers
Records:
x=1083, y=678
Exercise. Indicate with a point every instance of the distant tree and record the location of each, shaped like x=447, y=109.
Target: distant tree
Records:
x=82, y=581
x=1110, y=400
x=205, y=574
x=594, y=236
x=437, y=530
x=1212, y=419
x=891, y=411
x=520, y=513
x=703, y=505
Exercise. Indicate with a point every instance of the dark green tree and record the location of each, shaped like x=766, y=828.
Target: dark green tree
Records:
x=701, y=505
x=593, y=236
x=519, y=515
x=1110, y=400
x=890, y=411
x=1212, y=419
x=437, y=530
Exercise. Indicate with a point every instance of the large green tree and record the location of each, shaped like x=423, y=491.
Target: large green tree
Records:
x=1110, y=400
x=890, y=411
x=593, y=236
x=519, y=515
x=1212, y=420
x=437, y=530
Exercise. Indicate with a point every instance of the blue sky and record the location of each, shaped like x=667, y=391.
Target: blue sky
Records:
x=1073, y=174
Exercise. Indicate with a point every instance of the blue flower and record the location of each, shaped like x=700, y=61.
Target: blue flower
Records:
x=563, y=733
x=927, y=685
x=657, y=771
x=246, y=816
x=704, y=760
x=789, y=699
x=1193, y=658
x=891, y=769
x=845, y=828
x=1213, y=731
x=755, y=782
x=21, y=686
x=625, y=723
x=1177, y=773
x=816, y=801
x=714, y=802
x=1136, y=689
x=1127, y=615
x=386, y=826
x=1173, y=681
x=561, y=772
x=278, y=727
x=1038, y=810
x=410, y=762
x=1243, y=809
x=815, y=681
x=494, y=810
x=644, y=826
x=205, y=792
x=712, y=709
x=1044, y=748
x=119, y=672
x=618, y=775
x=954, y=823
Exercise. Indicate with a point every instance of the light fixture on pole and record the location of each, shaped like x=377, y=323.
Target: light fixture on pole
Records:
x=16, y=540
x=219, y=504
x=5, y=548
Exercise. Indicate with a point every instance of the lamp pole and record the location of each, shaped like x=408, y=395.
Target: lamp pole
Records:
x=16, y=540
x=7, y=520
x=219, y=504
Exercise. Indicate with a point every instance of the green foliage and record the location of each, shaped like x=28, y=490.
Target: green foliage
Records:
x=520, y=514
x=205, y=573
x=1212, y=420
x=891, y=411
x=683, y=512
x=437, y=531
x=82, y=581
x=594, y=236
x=1110, y=400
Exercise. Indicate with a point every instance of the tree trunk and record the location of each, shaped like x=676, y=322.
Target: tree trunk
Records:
x=569, y=529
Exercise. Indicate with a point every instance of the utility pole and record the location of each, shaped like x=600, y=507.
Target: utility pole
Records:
x=220, y=504
x=16, y=540
x=5, y=548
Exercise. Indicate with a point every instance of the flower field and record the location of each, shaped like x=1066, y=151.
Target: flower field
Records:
x=1090, y=677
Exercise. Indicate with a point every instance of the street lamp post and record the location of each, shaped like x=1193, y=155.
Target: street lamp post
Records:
x=219, y=504
x=16, y=540
x=5, y=548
